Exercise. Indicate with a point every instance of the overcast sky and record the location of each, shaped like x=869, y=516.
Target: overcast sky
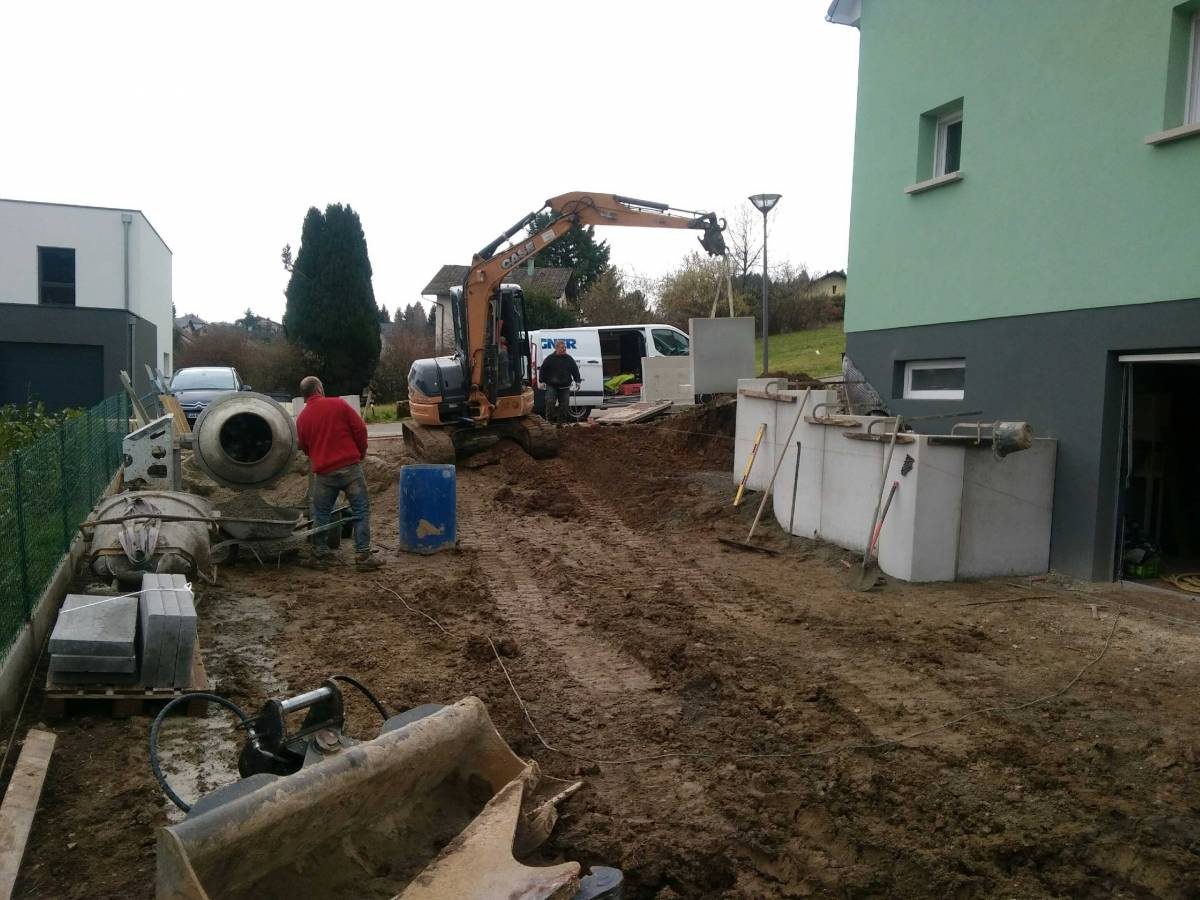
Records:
x=440, y=123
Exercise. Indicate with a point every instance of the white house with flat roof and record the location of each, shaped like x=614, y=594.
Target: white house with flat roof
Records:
x=85, y=292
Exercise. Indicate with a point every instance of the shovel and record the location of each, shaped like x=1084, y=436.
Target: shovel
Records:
x=868, y=575
x=746, y=545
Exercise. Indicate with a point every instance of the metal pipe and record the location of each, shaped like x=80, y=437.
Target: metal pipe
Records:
x=305, y=700
x=126, y=222
x=766, y=319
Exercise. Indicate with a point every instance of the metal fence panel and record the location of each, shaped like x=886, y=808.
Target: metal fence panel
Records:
x=46, y=489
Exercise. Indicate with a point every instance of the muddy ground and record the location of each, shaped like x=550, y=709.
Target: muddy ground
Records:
x=730, y=712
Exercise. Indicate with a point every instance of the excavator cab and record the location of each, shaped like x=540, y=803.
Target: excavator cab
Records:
x=439, y=388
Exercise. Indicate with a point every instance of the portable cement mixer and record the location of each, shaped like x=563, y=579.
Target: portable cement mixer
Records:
x=436, y=806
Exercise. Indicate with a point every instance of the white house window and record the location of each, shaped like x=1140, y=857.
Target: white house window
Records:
x=56, y=276
x=935, y=379
x=1192, y=107
x=947, y=150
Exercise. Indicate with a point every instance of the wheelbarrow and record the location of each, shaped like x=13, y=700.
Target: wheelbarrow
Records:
x=290, y=529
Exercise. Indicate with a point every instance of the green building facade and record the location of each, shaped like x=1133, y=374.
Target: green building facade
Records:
x=1025, y=241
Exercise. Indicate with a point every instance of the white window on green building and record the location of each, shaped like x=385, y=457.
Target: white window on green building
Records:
x=935, y=379
x=947, y=154
x=939, y=146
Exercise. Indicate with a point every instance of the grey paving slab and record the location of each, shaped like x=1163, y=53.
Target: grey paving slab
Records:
x=97, y=665
x=96, y=626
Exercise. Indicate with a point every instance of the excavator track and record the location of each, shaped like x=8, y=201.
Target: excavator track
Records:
x=535, y=435
x=446, y=444
x=429, y=445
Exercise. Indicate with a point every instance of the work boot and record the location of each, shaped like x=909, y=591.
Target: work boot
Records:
x=364, y=561
x=320, y=561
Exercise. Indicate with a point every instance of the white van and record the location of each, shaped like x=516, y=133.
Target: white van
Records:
x=603, y=352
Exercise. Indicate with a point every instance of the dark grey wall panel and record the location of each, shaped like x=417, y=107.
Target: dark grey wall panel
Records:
x=57, y=375
x=1058, y=371
x=107, y=329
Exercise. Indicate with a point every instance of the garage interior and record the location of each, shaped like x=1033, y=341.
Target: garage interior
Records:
x=1158, y=529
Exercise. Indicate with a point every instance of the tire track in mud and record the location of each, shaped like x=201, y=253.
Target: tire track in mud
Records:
x=544, y=618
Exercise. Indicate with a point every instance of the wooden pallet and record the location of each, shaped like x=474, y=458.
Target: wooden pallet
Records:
x=128, y=699
x=634, y=412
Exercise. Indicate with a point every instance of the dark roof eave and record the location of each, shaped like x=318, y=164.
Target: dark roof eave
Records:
x=844, y=12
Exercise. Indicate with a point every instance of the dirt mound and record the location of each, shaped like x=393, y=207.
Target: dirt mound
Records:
x=552, y=501
x=650, y=472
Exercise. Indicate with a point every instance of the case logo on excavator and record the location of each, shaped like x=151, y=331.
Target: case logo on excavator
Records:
x=517, y=254
x=548, y=343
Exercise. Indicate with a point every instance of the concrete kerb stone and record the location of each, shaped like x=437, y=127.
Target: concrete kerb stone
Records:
x=95, y=664
x=96, y=626
x=168, y=646
x=151, y=615
x=187, y=629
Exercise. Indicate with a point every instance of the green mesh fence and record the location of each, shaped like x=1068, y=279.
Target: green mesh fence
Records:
x=46, y=489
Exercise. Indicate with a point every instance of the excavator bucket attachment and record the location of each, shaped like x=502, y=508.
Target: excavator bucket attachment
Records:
x=433, y=807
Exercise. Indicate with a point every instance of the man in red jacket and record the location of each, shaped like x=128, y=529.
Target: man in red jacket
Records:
x=335, y=439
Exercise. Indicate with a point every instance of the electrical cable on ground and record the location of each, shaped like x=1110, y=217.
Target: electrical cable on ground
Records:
x=155, y=765
x=12, y=738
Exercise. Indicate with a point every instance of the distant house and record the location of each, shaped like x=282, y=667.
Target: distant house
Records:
x=549, y=282
x=189, y=324
x=85, y=292
x=261, y=326
x=831, y=284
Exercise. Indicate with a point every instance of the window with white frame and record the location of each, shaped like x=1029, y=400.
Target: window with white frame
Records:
x=947, y=148
x=1192, y=104
x=935, y=379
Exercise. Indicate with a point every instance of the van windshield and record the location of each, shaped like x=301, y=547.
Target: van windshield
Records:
x=670, y=343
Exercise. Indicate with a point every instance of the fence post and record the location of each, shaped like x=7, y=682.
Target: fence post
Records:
x=63, y=493
x=22, y=548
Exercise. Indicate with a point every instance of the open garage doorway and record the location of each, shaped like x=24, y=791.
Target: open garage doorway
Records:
x=1158, y=530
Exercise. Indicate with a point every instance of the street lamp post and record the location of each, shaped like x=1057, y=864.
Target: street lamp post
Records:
x=764, y=203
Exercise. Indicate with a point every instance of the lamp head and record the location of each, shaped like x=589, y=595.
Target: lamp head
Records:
x=764, y=202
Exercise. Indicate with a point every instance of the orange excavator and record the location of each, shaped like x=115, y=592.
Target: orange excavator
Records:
x=484, y=390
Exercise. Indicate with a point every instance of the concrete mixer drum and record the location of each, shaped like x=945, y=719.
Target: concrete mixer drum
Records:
x=244, y=440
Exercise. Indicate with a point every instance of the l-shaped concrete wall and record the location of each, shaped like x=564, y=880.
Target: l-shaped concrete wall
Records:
x=959, y=512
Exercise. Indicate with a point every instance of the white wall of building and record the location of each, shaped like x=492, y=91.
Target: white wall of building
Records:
x=97, y=237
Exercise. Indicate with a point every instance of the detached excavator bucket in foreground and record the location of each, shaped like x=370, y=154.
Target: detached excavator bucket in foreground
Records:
x=432, y=808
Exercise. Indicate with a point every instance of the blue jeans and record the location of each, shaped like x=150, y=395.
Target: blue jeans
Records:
x=325, y=493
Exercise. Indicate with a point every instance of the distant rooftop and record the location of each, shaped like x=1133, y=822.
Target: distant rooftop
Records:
x=552, y=280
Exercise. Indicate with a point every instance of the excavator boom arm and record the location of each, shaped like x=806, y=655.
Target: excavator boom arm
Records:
x=577, y=208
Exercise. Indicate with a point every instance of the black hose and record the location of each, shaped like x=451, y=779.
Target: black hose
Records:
x=366, y=692
x=158, y=720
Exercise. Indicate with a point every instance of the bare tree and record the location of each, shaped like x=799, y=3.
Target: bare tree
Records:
x=744, y=237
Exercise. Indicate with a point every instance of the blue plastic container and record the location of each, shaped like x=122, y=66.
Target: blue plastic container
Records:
x=428, y=514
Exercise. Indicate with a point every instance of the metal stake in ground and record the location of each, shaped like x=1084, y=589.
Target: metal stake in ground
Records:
x=887, y=466
x=795, y=486
x=762, y=504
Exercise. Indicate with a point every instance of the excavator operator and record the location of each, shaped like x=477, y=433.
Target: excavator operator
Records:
x=557, y=372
